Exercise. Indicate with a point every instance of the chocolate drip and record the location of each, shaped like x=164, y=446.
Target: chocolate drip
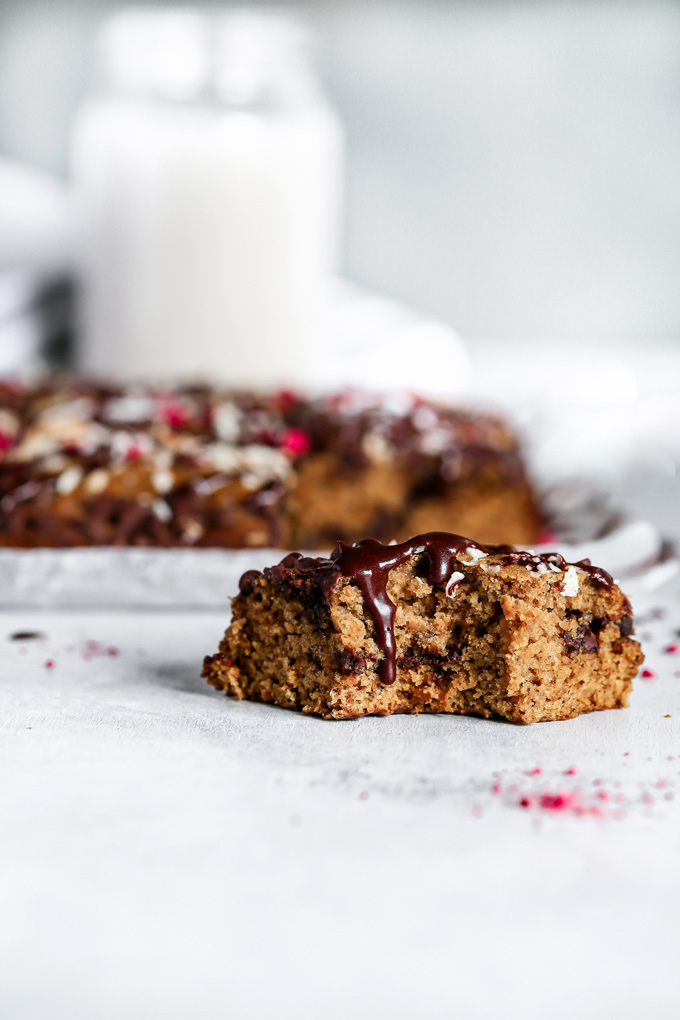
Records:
x=368, y=564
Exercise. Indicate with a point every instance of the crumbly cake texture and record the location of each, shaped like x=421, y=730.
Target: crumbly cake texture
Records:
x=436, y=624
x=90, y=464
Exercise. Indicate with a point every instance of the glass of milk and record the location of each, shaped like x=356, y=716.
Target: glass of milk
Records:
x=208, y=174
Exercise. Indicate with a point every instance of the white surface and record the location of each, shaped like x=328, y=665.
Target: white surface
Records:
x=167, y=852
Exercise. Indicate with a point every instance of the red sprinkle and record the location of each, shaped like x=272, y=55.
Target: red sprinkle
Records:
x=134, y=452
x=557, y=801
x=49, y=664
x=295, y=442
x=112, y=651
x=174, y=415
x=572, y=771
x=545, y=537
x=6, y=441
x=287, y=399
x=672, y=649
x=648, y=674
x=535, y=772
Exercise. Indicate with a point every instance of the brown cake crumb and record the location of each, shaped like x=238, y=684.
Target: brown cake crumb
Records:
x=436, y=624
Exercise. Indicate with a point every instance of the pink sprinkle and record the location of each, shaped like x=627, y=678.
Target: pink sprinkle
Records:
x=535, y=772
x=677, y=673
x=626, y=753
x=287, y=399
x=648, y=674
x=647, y=798
x=572, y=771
x=134, y=452
x=496, y=788
x=661, y=784
x=6, y=441
x=547, y=536
x=112, y=651
x=364, y=795
x=557, y=801
x=295, y=442
x=174, y=415
x=49, y=664
x=602, y=795
x=672, y=649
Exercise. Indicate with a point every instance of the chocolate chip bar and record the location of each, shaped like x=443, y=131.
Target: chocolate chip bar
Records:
x=92, y=464
x=436, y=624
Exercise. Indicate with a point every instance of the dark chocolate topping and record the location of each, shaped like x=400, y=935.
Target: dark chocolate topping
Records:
x=369, y=563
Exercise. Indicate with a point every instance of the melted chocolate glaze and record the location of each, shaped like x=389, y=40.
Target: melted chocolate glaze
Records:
x=369, y=563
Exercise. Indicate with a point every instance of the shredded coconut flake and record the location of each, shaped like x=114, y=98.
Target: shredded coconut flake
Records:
x=161, y=510
x=475, y=554
x=453, y=582
x=571, y=582
x=207, y=486
x=97, y=481
x=163, y=481
x=377, y=448
x=68, y=480
x=227, y=421
x=129, y=410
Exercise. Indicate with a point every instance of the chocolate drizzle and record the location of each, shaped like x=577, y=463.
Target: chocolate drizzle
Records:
x=368, y=564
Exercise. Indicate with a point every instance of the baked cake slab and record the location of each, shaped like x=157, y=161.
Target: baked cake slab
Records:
x=89, y=464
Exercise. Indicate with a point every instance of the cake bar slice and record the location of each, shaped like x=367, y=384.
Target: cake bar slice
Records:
x=436, y=624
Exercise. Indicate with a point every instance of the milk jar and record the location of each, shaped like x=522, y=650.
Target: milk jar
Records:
x=207, y=175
